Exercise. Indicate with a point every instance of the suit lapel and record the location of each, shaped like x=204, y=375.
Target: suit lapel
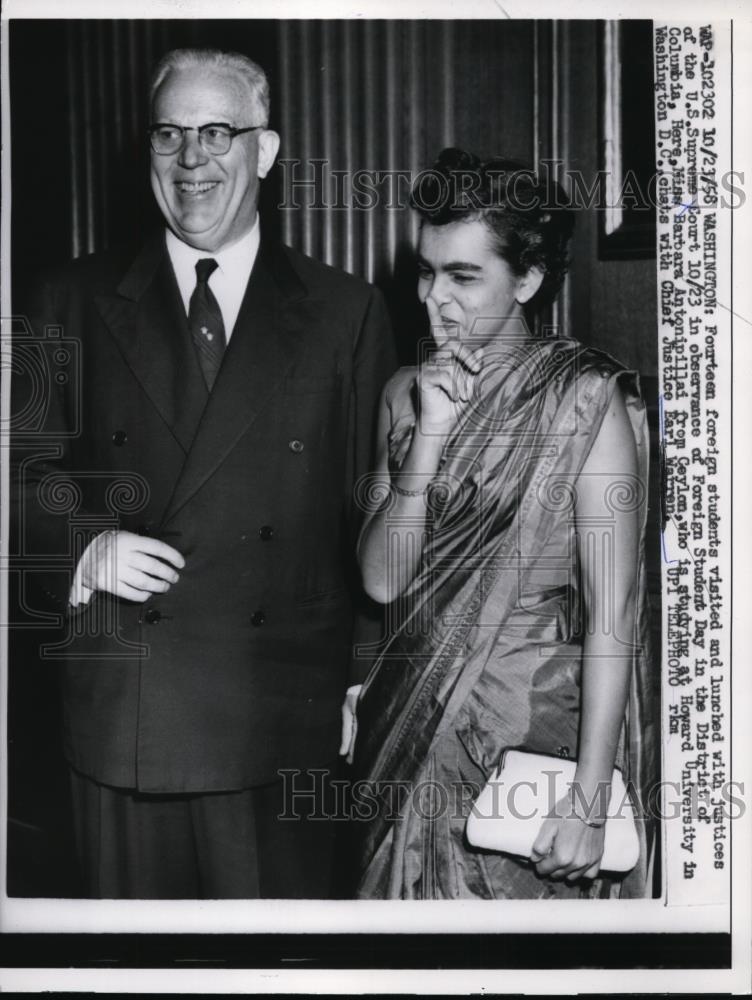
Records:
x=262, y=348
x=147, y=319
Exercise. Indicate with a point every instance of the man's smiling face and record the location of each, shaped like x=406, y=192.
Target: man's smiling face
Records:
x=209, y=201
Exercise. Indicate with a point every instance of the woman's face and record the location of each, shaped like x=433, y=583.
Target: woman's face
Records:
x=469, y=290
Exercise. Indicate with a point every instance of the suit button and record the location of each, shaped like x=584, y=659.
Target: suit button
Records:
x=119, y=438
x=258, y=618
x=295, y=445
x=153, y=617
x=266, y=532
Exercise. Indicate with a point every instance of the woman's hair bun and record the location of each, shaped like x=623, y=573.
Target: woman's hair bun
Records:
x=453, y=159
x=530, y=218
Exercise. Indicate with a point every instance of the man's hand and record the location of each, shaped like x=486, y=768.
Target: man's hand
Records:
x=349, y=722
x=129, y=565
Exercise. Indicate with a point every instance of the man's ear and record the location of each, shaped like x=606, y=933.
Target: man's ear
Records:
x=268, y=145
x=529, y=285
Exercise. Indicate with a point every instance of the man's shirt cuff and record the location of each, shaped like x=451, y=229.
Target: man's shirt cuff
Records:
x=79, y=593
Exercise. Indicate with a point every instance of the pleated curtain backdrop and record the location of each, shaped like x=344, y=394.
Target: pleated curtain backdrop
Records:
x=374, y=98
x=385, y=96
x=369, y=96
x=108, y=67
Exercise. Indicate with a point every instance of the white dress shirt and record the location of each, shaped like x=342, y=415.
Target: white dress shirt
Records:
x=228, y=282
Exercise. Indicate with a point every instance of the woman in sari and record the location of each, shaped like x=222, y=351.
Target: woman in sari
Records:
x=504, y=530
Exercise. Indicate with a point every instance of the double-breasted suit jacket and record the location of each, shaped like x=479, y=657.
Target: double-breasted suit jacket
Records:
x=239, y=670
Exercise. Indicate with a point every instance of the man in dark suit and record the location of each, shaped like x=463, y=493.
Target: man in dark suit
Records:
x=226, y=395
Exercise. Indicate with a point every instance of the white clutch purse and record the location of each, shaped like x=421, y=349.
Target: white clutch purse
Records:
x=521, y=793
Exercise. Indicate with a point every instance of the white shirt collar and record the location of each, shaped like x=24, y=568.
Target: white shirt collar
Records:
x=228, y=282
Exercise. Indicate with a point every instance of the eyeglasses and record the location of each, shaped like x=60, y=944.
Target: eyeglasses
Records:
x=215, y=138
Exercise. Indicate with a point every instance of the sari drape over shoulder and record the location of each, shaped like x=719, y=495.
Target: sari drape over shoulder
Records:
x=486, y=652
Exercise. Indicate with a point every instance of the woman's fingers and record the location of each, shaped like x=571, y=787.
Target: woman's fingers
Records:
x=551, y=853
x=436, y=377
x=454, y=350
x=455, y=380
x=555, y=865
x=402, y=449
x=433, y=313
x=469, y=358
x=456, y=366
x=544, y=842
x=574, y=870
x=446, y=384
x=441, y=330
x=569, y=851
x=592, y=871
x=577, y=873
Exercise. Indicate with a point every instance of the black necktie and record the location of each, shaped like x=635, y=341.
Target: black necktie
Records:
x=205, y=321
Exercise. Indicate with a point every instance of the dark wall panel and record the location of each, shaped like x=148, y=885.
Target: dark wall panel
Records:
x=614, y=301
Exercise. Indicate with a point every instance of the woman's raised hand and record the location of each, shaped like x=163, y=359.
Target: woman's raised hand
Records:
x=445, y=381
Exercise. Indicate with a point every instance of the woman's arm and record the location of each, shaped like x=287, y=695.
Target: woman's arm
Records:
x=608, y=511
x=391, y=541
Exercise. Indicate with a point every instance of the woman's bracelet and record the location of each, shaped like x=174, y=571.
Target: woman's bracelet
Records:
x=409, y=493
x=595, y=824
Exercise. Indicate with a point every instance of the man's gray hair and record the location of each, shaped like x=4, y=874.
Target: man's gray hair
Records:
x=236, y=62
